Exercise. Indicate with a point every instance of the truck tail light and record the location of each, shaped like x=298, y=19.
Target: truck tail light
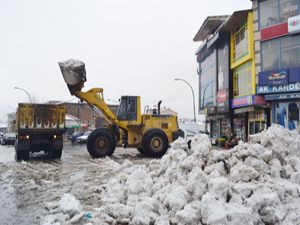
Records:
x=24, y=137
x=57, y=136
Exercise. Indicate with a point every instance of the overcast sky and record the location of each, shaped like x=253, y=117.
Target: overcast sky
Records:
x=132, y=47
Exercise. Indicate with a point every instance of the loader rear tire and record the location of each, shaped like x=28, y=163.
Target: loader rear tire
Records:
x=101, y=143
x=155, y=143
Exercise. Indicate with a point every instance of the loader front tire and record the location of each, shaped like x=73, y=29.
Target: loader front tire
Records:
x=101, y=143
x=155, y=143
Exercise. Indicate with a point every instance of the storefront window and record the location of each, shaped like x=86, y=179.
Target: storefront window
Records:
x=276, y=11
x=215, y=127
x=225, y=123
x=281, y=53
x=208, y=81
x=240, y=40
x=242, y=80
x=287, y=115
x=270, y=54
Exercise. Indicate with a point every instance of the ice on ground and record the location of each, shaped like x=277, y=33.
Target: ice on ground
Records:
x=254, y=183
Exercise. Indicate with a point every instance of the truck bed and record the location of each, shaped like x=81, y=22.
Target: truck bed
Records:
x=40, y=117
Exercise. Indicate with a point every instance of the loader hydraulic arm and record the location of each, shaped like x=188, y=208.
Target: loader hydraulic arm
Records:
x=94, y=97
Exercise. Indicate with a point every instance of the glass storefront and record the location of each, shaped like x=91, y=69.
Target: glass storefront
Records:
x=256, y=121
x=219, y=126
x=240, y=126
x=287, y=114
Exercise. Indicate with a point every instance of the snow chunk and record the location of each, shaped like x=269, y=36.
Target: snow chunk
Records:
x=69, y=204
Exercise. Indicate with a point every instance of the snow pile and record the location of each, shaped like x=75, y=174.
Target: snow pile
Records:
x=254, y=183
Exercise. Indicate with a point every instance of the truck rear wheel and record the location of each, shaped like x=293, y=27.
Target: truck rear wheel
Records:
x=55, y=153
x=21, y=154
x=101, y=143
x=155, y=143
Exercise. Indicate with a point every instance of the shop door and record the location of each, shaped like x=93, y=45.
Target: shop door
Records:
x=287, y=115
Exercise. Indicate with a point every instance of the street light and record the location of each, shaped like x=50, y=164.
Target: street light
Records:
x=22, y=89
x=177, y=79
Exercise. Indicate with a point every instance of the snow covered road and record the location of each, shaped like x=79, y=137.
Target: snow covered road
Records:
x=26, y=187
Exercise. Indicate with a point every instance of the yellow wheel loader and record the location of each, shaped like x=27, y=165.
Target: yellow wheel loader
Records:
x=149, y=133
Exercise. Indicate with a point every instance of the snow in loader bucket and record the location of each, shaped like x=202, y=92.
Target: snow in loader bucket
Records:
x=73, y=72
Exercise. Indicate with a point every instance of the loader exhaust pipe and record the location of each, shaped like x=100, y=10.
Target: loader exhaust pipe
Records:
x=158, y=107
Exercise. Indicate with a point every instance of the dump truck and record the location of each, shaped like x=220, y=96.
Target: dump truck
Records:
x=40, y=127
x=149, y=133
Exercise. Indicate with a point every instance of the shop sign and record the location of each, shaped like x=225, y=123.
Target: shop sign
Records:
x=248, y=100
x=242, y=101
x=222, y=96
x=276, y=77
x=277, y=89
x=282, y=96
x=294, y=24
x=244, y=110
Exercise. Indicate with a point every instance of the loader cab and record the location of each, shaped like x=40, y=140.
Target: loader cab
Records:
x=128, y=108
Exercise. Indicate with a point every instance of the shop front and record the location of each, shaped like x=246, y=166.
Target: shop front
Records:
x=281, y=88
x=250, y=115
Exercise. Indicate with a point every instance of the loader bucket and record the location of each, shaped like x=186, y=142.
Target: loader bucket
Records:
x=74, y=74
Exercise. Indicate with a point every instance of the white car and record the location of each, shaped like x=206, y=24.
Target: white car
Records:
x=83, y=139
x=190, y=129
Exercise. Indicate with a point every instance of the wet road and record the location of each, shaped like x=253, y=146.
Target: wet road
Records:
x=26, y=187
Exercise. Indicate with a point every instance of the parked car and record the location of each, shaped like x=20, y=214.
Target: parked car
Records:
x=190, y=129
x=8, y=139
x=83, y=139
x=75, y=135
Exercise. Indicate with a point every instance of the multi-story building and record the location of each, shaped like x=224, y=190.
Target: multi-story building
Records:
x=214, y=82
x=277, y=46
x=249, y=109
x=227, y=77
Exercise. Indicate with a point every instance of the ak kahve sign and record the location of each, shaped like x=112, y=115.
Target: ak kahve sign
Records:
x=278, y=89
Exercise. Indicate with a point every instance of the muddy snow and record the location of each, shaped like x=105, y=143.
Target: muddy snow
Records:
x=254, y=183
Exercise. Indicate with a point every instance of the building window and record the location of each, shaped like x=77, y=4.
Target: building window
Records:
x=223, y=66
x=208, y=78
x=281, y=53
x=276, y=11
x=290, y=52
x=242, y=80
x=240, y=41
x=270, y=54
x=288, y=8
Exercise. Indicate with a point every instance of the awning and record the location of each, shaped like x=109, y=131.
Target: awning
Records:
x=209, y=26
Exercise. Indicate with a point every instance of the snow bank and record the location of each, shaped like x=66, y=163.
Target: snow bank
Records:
x=254, y=183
